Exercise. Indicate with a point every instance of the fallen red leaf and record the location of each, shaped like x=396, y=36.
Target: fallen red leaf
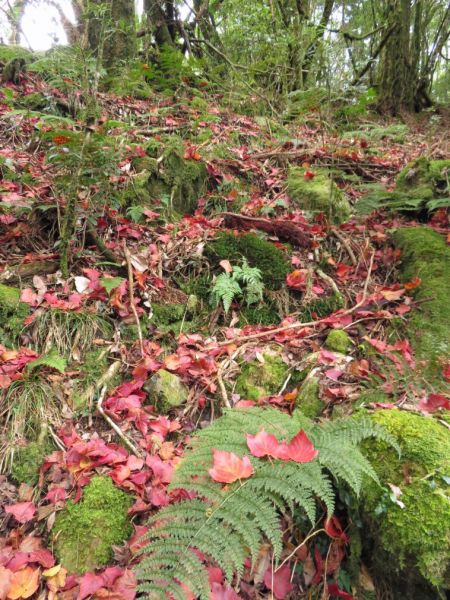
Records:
x=301, y=449
x=21, y=511
x=279, y=581
x=228, y=467
x=434, y=402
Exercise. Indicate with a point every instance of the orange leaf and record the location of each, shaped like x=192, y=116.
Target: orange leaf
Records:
x=413, y=284
x=228, y=467
x=24, y=583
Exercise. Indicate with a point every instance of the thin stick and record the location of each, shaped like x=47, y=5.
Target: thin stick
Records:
x=330, y=281
x=88, y=396
x=131, y=295
x=262, y=334
x=114, y=425
x=288, y=558
x=223, y=390
x=346, y=245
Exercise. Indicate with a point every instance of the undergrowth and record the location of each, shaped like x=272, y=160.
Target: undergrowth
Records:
x=229, y=524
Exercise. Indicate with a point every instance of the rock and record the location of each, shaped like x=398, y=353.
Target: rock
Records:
x=308, y=398
x=166, y=390
x=409, y=525
x=12, y=314
x=319, y=194
x=426, y=255
x=269, y=259
x=84, y=533
x=259, y=379
x=338, y=341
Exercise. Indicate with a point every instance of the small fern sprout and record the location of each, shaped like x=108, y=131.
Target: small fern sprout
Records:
x=227, y=524
x=243, y=281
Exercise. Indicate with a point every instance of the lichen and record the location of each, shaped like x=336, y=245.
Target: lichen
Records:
x=416, y=538
x=12, y=314
x=425, y=255
x=319, y=194
x=84, y=533
x=259, y=379
x=338, y=341
x=269, y=259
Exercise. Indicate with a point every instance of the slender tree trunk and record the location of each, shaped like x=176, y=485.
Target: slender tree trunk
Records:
x=397, y=79
x=117, y=19
x=158, y=22
x=15, y=14
x=318, y=37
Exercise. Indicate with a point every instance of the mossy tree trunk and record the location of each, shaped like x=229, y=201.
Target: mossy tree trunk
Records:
x=112, y=25
x=158, y=17
x=397, y=82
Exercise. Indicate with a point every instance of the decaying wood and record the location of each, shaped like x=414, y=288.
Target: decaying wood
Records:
x=284, y=230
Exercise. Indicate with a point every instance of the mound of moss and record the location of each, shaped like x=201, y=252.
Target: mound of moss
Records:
x=318, y=195
x=269, y=259
x=425, y=179
x=12, y=314
x=181, y=181
x=426, y=255
x=28, y=461
x=166, y=391
x=85, y=532
x=259, y=379
x=410, y=528
x=338, y=341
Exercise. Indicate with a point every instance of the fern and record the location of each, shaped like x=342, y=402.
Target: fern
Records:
x=228, y=524
x=52, y=360
x=245, y=281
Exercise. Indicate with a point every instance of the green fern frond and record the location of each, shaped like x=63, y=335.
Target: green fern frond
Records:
x=229, y=523
x=52, y=360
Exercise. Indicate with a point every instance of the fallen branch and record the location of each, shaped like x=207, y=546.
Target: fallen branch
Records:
x=126, y=440
x=284, y=230
x=131, y=296
x=346, y=245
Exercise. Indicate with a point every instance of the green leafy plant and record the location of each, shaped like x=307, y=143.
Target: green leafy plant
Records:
x=244, y=281
x=228, y=524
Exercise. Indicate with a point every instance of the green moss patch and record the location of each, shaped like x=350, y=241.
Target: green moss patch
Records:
x=259, y=379
x=338, y=341
x=411, y=531
x=12, y=314
x=86, y=532
x=308, y=398
x=28, y=461
x=426, y=255
x=166, y=391
x=319, y=194
x=269, y=259
x=425, y=179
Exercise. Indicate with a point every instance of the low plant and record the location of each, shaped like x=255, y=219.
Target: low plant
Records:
x=243, y=281
x=227, y=524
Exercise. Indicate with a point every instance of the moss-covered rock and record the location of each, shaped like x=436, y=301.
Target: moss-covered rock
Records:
x=269, y=259
x=85, y=532
x=338, y=341
x=308, y=398
x=410, y=531
x=181, y=180
x=28, y=461
x=319, y=194
x=259, y=379
x=425, y=179
x=12, y=314
x=426, y=255
x=166, y=391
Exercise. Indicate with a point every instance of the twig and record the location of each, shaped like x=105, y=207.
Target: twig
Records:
x=330, y=281
x=288, y=558
x=88, y=396
x=346, y=245
x=114, y=425
x=223, y=390
x=131, y=296
x=58, y=441
x=262, y=334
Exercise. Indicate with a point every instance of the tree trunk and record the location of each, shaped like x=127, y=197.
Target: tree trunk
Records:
x=113, y=25
x=158, y=22
x=318, y=37
x=397, y=78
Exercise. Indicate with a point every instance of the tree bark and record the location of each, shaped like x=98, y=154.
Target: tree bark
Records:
x=113, y=25
x=397, y=79
x=318, y=37
x=158, y=22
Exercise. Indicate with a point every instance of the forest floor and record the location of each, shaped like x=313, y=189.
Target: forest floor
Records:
x=110, y=371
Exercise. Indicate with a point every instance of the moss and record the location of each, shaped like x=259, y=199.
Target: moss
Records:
x=95, y=364
x=257, y=380
x=183, y=181
x=319, y=194
x=321, y=307
x=259, y=314
x=10, y=52
x=166, y=391
x=12, y=314
x=308, y=398
x=426, y=255
x=176, y=317
x=414, y=539
x=34, y=102
x=262, y=254
x=424, y=179
x=338, y=341
x=28, y=461
x=85, y=532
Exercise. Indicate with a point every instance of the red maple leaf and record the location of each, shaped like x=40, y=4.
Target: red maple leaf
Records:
x=301, y=449
x=21, y=511
x=228, y=467
x=265, y=444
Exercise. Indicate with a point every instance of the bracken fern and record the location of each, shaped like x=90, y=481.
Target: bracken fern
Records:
x=228, y=524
